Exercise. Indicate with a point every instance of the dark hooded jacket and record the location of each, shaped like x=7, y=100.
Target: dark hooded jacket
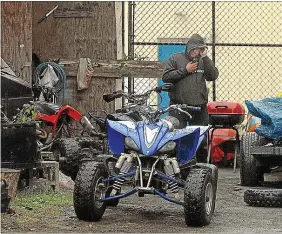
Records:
x=189, y=88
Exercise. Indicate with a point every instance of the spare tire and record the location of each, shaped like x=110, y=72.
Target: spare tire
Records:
x=263, y=197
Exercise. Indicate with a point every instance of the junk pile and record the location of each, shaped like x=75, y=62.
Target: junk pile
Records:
x=261, y=153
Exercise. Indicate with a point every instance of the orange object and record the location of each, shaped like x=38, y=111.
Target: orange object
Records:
x=252, y=123
x=223, y=144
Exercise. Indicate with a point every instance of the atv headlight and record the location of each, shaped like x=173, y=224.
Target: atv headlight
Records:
x=131, y=144
x=170, y=146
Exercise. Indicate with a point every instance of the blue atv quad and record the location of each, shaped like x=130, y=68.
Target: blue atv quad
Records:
x=151, y=156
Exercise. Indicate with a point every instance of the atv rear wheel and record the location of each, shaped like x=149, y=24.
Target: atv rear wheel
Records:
x=66, y=152
x=87, y=142
x=199, y=199
x=87, y=189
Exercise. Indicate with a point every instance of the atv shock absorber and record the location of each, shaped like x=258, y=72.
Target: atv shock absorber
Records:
x=171, y=168
x=124, y=164
x=69, y=130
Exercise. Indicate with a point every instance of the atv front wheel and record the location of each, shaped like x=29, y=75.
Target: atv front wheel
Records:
x=214, y=171
x=199, y=199
x=88, y=188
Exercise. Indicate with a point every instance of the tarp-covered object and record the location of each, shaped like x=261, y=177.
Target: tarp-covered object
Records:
x=269, y=110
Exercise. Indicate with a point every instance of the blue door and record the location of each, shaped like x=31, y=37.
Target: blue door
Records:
x=164, y=52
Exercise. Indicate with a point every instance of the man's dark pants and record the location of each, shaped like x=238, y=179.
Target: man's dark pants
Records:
x=199, y=118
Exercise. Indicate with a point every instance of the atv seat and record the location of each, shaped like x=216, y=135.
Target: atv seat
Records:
x=47, y=108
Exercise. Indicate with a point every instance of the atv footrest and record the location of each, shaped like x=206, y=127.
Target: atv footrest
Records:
x=266, y=150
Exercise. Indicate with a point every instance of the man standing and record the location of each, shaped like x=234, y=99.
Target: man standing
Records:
x=189, y=71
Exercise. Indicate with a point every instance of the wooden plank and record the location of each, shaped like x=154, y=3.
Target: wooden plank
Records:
x=16, y=41
x=12, y=177
x=85, y=72
x=119, y=35
x=69, y=13
x=118, y=68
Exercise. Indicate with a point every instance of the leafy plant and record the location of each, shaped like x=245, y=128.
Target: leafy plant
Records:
x=26, y=114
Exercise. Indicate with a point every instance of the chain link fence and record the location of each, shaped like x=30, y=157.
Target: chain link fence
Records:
x=244, y=39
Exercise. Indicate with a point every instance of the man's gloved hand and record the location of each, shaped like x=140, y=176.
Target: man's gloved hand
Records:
x=191, y=67
x=204, y=52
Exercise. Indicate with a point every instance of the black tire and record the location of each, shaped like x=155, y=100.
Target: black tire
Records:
x=87, y=142
x=196, y=211
x=69, y=149
x=263, y=197
x=85, y=205
x=214, y=170
x=250, y=173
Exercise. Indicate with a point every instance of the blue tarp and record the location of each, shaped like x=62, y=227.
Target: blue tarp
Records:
x=269, y=110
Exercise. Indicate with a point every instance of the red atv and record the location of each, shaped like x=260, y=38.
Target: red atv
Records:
x=56, y=134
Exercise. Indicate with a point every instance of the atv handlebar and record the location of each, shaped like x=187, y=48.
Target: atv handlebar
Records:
x=112, y=96
x=180, y=108
x=136, y=98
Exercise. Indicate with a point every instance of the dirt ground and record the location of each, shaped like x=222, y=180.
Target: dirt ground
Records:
x=152, y=214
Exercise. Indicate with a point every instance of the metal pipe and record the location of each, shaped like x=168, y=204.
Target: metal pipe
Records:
x=120, y=176
x=213, y=49
x=130, y=41
x=140, y=168
x=211, y=44
x=152, y=171
x=167, y=198
x=126, y=194
x=86, y=124
x=163, y=176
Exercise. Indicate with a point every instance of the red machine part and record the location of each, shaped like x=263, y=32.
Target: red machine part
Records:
x=222, y=141
x=227, y=108
x=70, y=111
x=225, y=114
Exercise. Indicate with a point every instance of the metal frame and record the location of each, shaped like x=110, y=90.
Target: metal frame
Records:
x=146, y=189
x=132, y=42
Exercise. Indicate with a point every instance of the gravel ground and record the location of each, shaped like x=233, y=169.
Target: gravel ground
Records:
x=152, y=214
